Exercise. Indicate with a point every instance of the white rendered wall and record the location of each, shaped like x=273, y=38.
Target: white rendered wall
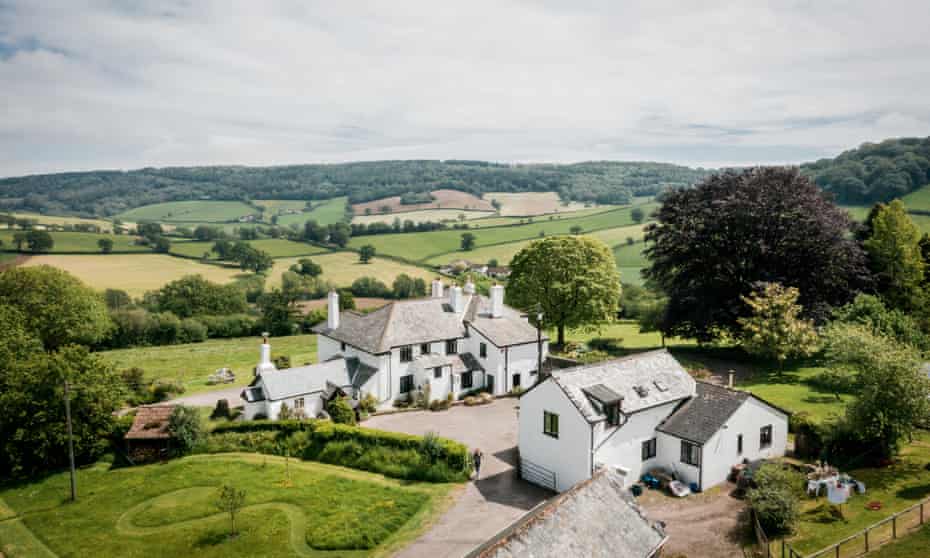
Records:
x=569, y=455
x=669, y=458
x=623, y=447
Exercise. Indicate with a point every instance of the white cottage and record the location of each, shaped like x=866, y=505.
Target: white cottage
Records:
x=454, y=341
x=641, y=412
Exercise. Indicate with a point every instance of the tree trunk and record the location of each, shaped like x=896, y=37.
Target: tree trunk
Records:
x=662, y=335
x=561, y=338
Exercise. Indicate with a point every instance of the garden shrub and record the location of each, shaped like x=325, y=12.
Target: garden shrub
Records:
x=221, y=410
x=368, y=404
x=185, y=427
x=192, y=331
x=340, y=411
x=166, y=388
x=776, y=498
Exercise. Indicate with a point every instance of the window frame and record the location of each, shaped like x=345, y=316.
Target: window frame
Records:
x=299, y=403
x=612, y=412
x=766, y=433
x=406, y=353
x=471, y=379
x=551, y=424
x=424, y=348
x=688, y=457
x=739, y=444
x=408, y=380
x=483, y=350
x=342, y=346
x=437, y=372
x=454, y=343
x=648, y=449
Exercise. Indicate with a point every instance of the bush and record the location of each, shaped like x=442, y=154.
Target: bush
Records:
x=233, y=325
x=368, y=404
x=606, y=344
x=192, y=331
x=340, y=411
x=166, y=388
x=776, y=498
x=185, y=427
x=221, y=410
x=282, y=362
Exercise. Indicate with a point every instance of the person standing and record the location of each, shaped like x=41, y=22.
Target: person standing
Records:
x=476, y=460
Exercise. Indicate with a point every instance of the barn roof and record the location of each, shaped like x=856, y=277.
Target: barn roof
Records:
x=151, y=423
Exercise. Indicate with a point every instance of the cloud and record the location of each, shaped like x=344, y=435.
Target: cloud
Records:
x=125, y=85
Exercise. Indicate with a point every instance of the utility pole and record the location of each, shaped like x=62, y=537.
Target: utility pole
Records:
x=70, y=440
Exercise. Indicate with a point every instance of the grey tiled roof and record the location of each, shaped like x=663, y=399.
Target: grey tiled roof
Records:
x=465, y=362
x=703, y=415
x=410, y=322
x=291, y=382
x=643, y=380
x=360, y=372
x=596, y=518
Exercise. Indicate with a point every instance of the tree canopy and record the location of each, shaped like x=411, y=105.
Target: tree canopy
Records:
x=193, y=295
x=573, y=278
x=774, y=329
x=712, y=243
x=895, y=256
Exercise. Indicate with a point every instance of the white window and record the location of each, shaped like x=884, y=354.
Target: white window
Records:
x=406, y=353
x=299, y=403
x=765, y=437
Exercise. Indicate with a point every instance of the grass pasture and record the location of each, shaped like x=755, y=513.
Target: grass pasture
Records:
x=199, y=211
x=80, y=242
x=58, y=220
x=532, y=203
x=276, y=206
x=918, y=199
x=342, y=268
x=168, y=510
x=191, y=363
x=134, y=273
x=421, y=216
x=324, y=212
x=276, y=247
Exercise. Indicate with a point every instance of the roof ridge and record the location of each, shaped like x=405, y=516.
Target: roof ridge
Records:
x=583, y=367
x=387, y=325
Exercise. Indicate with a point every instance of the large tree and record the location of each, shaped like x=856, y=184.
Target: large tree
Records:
x=573, y=278
x=895, y=256
x=56, y=307
x=713, y=242
x=774, y=329
x=192, y=295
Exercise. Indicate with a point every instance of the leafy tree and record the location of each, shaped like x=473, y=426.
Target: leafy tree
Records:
x=116, y=299
x=576, y=229
x=775, y=499
x=405, y=286
x=33, y=434
x=346, y=300
x=56, y=307
x=185, y=427
x=366, y=253
x=149, y=230
x=637, y=214
x=19, y=239
x=206, y=232
x=573, y=278
x=307, y=267
x=105, y=245
x=39, y=241
x=468, y=241
x=223, y=249
x=370, y=287
x=493, y=263
x=161, y=244
x=339, y=234
x=340, y=411
x=895, y=256
x=654, y=318
x=192, y=295
x=714, y=242
x=871, y=312
x=314, y=232
x=230, y=500
x=774, y=328
x=278, y=311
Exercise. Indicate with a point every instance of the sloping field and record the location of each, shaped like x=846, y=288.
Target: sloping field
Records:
x=342, y=268
x=424, y=246
x=442, y=199
x=80, y=242
x=189, y=212
x=423, y=215
x=532, y=203
x=133, y=273
x=497, y=221
x=275, y=206
x=276, y=247
x=918, y=199
x=57, y=220
x=324, y=212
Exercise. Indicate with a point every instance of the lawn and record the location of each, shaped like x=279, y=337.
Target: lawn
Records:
x=918, y=199
x=189, y=212
x=897, y=487
x=427, y=245
x=192, y=363
x=912, y=546
x=276, y=247
x=168, y=510
x=627, y=335
x=80, y=242
x=342, y=268
x=324, y=212
x=133, y=273
x=790, y=390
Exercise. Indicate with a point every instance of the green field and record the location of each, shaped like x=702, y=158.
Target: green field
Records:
x=325, y=212
x=912, y=546
x=342, y=268
x=276, y=247
x=302, y=509
x=275, y=206
x=189, y=212
x=425, y=246
x=922, y=222
x=193, y=362
x=58, y=220
x=80, y=242
x=857, y=212
x=918, y=199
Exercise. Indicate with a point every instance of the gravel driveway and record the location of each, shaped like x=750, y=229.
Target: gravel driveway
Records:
x=485, y=506
x=209, y=398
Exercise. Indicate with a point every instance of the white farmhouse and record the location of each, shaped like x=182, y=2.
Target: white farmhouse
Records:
x=642, y=412
x=452, y=342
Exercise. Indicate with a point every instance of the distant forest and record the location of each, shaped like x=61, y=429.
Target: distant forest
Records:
x=106, y=193
x=874, y=172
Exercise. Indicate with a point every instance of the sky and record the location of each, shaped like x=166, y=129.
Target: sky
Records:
x=123, y=85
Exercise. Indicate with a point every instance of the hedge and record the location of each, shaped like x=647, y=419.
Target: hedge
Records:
x=389, y=453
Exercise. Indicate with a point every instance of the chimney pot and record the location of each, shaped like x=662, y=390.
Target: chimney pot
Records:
x=497, y=301
x=332, y=310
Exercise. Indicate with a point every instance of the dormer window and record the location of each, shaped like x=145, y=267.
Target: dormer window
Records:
x=613, y=414
x=406, y=353
x=606, y=402
x=641, y=391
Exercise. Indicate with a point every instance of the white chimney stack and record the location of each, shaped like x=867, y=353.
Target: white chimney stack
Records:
x=469, y=287
x=436, y=291
x=332, y=310
x=497, y=301
x=456, y=300
x=264, y=361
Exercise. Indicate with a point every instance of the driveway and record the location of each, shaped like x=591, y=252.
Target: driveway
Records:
x=209, y=398
x=712, y=523
x=485, y=506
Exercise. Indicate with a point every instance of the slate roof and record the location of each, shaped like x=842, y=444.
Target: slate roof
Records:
x=596, y=518
x=150, y=423
x=411, y=322
x=702, y=416
x=662, y=377
x=291, y=382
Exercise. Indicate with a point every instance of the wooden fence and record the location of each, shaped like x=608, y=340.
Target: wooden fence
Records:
x=853, y=546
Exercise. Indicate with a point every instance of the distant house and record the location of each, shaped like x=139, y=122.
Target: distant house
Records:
x=596, y=518
x=638, y=413
x=149, y=437
x=458, y=267
x=452, y=342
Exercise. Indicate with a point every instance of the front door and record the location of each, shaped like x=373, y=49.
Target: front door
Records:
x=516, y=380
x=489, y=384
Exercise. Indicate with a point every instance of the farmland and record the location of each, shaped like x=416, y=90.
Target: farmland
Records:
x=191, y=363
x=532, y=203
x=276, y=247
x=423, y=215
x=325, y=212
x=189, y=212
x=80, y=242
x=57, y=220
x=342, y=268
x=918, y=199
x=442, y=199
x=168, y=510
